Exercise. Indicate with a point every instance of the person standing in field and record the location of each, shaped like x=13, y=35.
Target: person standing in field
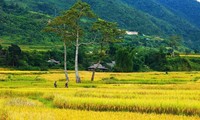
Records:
x=55, y=84
x=66, y=84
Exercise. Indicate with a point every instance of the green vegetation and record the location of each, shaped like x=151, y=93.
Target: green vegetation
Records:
x=152, y=17
x=127, y=59
x=140, y=52
x=70, y=27
x=18, y=25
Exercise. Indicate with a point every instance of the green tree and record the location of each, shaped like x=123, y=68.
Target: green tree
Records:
x=1, y=47
x=124, y=60
x=70, y=27
x=174, y=41
x=107, y=33
x=75, y=16
x=156, y=60
x=60, y=26
x=13, y=55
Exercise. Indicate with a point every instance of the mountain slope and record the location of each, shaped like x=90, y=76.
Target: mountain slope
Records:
x=153, y=17
x=22, y=26
x=188, y=9
x=160, y=9
x=112, y=10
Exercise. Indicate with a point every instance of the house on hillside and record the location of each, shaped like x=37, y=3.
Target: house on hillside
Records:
x=132, y=33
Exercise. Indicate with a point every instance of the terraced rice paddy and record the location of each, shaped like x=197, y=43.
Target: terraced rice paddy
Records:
x=114, y=96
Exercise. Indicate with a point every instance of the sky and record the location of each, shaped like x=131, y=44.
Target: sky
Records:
x=198, y=0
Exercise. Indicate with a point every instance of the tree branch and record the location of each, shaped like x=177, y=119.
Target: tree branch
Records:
x=87, y=43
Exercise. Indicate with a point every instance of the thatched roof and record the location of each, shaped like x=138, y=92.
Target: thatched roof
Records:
x=53, y=61
x=100, y=66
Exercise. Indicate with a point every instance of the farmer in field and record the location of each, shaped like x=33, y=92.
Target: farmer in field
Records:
x=66, y=84
x=55, y=84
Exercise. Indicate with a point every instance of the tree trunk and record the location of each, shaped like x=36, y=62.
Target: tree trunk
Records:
x=94, y=70
x=78, y=80
x=173, y=51
x=65, y=62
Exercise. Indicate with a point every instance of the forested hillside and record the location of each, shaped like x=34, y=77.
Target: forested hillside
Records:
x=175, y=16
x=152, y=17
x=22, y=26
x=189, y=9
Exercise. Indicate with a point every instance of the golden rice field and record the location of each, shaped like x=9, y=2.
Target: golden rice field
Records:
x=30, y=95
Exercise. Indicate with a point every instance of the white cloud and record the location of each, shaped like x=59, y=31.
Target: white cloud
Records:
x=198, y=0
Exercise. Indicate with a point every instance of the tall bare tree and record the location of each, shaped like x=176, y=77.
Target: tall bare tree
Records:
x=70, y=26
x=75, y=14
x=58, y=26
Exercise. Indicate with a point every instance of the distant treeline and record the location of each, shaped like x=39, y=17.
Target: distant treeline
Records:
x=127, y=59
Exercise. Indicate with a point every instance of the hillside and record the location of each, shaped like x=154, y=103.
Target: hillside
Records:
x=189, y=9
x=178, y=17
x=106, y=9
x=22, y=26
x=152, y=17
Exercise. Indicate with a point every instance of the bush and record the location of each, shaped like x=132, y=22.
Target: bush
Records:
x=178, y=64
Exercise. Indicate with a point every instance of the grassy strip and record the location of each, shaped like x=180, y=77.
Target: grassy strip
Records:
x=47, y=103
